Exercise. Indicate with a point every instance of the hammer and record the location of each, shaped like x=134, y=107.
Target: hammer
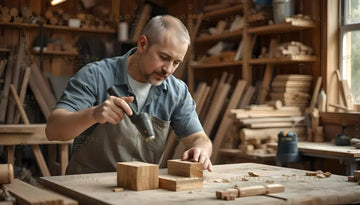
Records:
x=141, y=121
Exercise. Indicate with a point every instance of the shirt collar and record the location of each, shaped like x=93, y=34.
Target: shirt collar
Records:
x=122, y=79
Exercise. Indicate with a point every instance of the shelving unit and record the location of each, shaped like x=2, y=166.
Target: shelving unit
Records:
x=57, y=53
x=246, y=34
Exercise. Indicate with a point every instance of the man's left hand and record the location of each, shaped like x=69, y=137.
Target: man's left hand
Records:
x=198, y=155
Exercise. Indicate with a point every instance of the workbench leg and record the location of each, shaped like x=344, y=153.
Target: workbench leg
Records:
x=64, y=157
x=52, y=159
x=350, y=167
x=10, y=151
x=40, y=160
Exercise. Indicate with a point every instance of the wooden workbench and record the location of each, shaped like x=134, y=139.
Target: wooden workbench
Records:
x=97, y=188
x=349, y=155
x=34, y=135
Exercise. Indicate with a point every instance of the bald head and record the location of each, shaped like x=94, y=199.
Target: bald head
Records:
x=159, y=25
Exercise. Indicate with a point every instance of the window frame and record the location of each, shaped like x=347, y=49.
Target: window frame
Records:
x=343, y=29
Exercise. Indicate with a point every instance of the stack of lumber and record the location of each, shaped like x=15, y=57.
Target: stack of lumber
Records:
x=291, y=89
x=262, y=123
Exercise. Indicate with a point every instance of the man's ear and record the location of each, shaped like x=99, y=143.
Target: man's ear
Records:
x=142, y=43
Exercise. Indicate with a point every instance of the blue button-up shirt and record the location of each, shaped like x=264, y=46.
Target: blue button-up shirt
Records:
x=170, y=101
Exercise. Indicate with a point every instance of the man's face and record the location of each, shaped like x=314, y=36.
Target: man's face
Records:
x=161, y=59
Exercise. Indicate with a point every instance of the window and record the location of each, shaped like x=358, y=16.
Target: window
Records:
x=350, y=45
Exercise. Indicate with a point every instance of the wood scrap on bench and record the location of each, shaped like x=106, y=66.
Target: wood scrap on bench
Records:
x=231, y=194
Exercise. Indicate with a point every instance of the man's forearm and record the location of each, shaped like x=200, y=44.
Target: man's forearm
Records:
x=65, y=125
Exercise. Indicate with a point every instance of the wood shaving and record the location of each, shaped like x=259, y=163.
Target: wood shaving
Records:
x=253, y=174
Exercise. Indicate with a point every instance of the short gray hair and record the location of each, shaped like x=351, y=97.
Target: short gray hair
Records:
x=154, y=29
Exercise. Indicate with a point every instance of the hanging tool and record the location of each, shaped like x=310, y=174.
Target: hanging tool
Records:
x=142, y=121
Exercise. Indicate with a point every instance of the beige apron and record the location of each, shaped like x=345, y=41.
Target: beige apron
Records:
x=109, y=144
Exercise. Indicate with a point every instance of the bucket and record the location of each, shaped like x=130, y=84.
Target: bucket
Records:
x=283, y=9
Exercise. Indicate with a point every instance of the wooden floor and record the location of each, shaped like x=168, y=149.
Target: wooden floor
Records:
x=97, y=188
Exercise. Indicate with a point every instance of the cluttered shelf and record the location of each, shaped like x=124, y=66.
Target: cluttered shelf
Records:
x=289, y=26
x=224, y=36
x=287, y=59
x=63, y=28
x=215, y=65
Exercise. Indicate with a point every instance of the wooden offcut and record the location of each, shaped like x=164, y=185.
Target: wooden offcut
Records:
x=137, y=176
x=179, y=183
x=230, y=194
x=6, y=173
x=178, y=167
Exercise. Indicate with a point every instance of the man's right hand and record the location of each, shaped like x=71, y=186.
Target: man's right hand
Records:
x=113, y=110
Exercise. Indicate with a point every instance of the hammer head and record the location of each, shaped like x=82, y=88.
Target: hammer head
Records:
x=143, y=123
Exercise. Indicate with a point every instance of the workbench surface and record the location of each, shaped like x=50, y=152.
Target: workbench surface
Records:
x=97, y=188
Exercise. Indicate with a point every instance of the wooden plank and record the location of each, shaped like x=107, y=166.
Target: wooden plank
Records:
x=247, y=134
x=10, y=151
x=42, y=91
x=2, y=66
x=293, y=77
x=227, y=121
x=202, y=100
x=178, y=167
x=265, y=88
x=345, y=92
x=271, y=119
x=19, y=104
x=40, y=160
x=270, y=124
x=22, y=92
x=284, y=27
x=246, y=99
x=6, y=88
x=315, y=93
x=291, y=84
x=64, y=157
x=28, y=194
x=215, y=109
x=15, y=79
x=178, y=183
x=209, y=98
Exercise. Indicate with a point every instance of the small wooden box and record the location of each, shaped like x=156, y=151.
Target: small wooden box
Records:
x=185, y=168
x=137, y=176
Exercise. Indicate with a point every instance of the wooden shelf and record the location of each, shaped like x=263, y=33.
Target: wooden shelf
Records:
x=63, y=28
x=5, y=50
x=236, y=9
x=67, y=28
x=19, y=25
x=66, y=53
x=285, y=60
x=283, y=27
x=216, y=65
x=225, y=36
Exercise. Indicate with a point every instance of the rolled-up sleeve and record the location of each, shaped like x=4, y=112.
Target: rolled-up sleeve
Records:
x=80, y=91
x=185, y=120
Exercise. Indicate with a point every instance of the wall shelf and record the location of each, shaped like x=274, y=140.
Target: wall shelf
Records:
x=284, y=60
x=283, y=27
x=68, y=53
x=224, y=36
x=215, y=65
x=63, y=28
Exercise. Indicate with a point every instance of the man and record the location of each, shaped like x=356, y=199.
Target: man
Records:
x=100, y=124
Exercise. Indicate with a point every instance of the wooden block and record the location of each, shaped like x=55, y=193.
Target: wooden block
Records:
x=274, y=188
x=6, y=173
x=357, y=175
x=185, y=168
x=251, y=191
x=137, y=176
x=179, y=183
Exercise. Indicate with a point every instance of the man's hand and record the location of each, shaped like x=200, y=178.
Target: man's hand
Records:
x=113, y=110
x=198, y=155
